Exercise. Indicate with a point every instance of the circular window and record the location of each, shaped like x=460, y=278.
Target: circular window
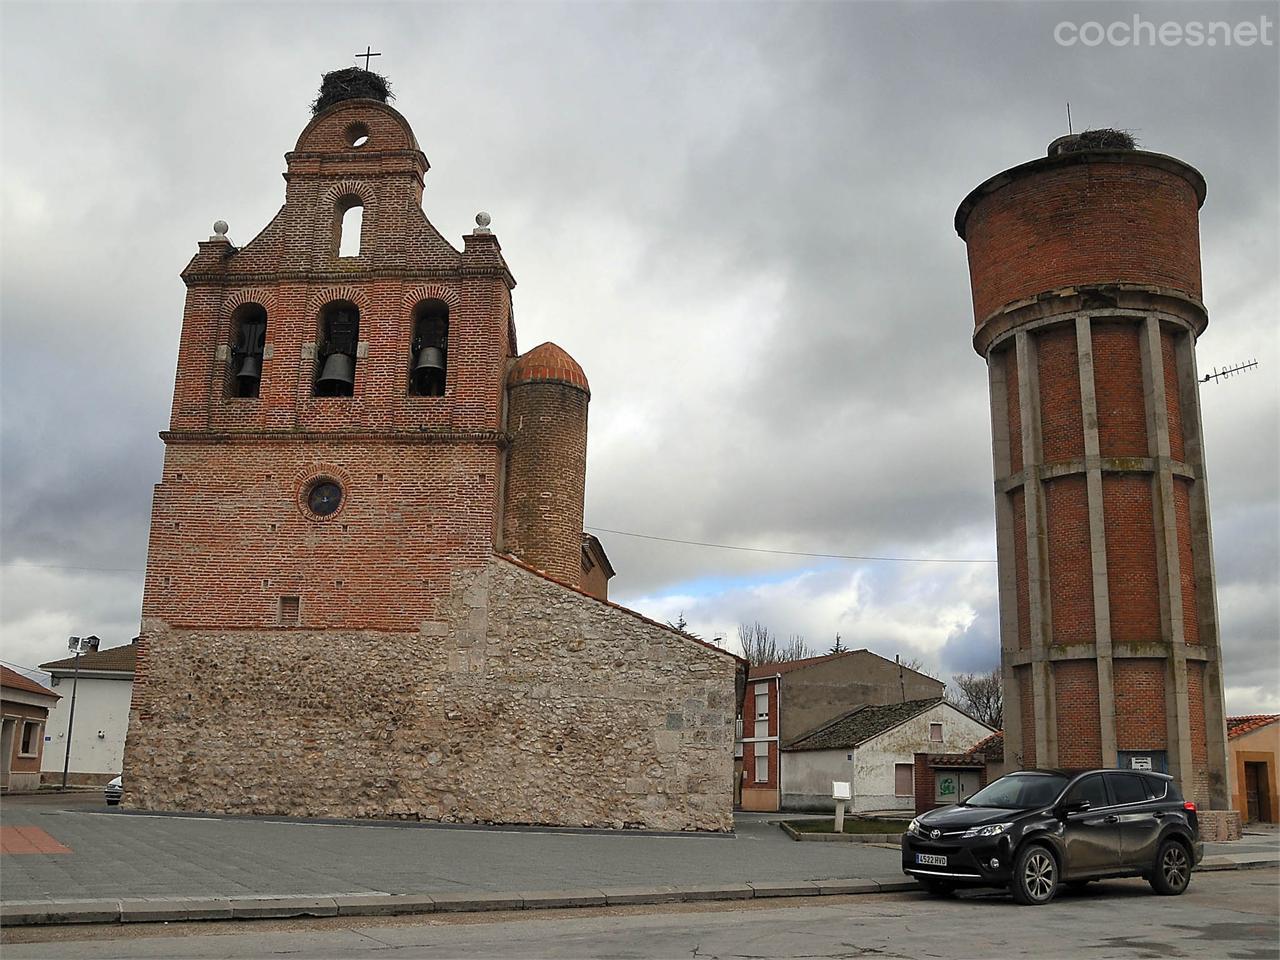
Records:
x=324, y=497
x=357, y=135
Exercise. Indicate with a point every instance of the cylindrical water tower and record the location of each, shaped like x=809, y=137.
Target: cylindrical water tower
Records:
x=1085, y=269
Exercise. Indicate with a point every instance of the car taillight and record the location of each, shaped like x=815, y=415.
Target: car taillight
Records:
x=1189, y=807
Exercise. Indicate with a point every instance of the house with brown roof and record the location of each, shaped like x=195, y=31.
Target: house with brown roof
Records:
x=786, y=700
x=103, y=692
x=1253, y=746
x=872, y=748
x=24, y=706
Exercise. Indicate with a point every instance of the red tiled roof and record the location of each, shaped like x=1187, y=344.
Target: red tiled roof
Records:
x=12, y=678
x=1239, y=726
x=991, y=747
x=116, y=659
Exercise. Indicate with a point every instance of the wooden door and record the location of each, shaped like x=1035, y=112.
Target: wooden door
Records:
x=1251, y=791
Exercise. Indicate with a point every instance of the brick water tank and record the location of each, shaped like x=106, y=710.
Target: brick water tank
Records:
x=1085, y=269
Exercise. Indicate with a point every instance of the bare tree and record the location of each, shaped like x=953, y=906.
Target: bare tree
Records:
x=760, y=645
x=980, y=694
x=795, y=649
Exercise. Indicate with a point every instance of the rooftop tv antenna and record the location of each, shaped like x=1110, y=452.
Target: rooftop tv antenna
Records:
x=1228, y=371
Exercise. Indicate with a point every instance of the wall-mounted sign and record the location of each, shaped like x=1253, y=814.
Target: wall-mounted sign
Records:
x=1139, y=763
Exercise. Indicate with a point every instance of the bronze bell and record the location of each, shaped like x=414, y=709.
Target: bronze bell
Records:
x=338, y=375
x=250, y=372
x=428, y=372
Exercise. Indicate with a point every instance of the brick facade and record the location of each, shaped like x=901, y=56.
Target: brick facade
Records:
x=306, y=544
x=1085, y=270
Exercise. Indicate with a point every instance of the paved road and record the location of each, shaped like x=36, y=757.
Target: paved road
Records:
x=1223, y=915
x=124, y=855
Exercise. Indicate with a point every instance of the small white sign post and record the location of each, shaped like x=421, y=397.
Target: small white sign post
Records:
x=841, y=793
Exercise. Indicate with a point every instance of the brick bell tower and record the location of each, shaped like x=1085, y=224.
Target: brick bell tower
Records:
x=1085, y=270
x=364, y=588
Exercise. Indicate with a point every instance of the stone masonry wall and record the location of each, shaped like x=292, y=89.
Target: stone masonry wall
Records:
x=526, y=702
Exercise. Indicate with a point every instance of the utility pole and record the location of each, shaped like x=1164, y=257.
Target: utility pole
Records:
x=76, y=645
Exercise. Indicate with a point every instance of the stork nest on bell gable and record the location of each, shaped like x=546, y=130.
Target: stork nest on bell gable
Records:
x=351, y=83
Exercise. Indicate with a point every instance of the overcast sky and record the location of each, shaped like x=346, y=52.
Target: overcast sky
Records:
x=738, y=218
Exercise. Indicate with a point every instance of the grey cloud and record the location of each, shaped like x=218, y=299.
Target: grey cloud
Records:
x=737, y=217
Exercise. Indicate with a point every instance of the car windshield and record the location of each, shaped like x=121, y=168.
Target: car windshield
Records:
x=1020, y=791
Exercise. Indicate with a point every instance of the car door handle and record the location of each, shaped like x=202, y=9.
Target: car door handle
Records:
x=1111, y=819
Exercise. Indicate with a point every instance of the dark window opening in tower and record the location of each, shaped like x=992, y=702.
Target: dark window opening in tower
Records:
x=249, y=334
x=349, y=224
x=430, y=348
x=336, y=350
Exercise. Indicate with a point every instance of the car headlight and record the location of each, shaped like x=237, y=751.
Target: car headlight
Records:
x=990, y=830
x=914, y=826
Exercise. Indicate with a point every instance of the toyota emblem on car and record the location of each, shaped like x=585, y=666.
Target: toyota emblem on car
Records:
x=935, y=834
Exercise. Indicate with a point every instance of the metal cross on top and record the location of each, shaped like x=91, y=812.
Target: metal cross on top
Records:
x=368, y=54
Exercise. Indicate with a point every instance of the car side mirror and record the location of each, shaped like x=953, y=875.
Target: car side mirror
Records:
x=1074, y=806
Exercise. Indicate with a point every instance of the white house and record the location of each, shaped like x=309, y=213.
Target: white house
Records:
x=102, y=715
x=873, y=747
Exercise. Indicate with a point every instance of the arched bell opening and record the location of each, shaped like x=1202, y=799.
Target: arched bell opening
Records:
x=429, y=354
x=336, y=344
x=248, y=342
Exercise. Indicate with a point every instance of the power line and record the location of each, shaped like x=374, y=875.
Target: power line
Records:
x=20, y=667
x=621, y=533
x=21, y=564
x=793, y=553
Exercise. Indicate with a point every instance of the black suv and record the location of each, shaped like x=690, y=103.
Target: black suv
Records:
x=1034, y=830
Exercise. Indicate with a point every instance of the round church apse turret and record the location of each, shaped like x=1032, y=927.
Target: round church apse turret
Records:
x=547, y=397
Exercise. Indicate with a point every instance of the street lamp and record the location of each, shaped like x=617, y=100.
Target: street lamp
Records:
x=76, y=645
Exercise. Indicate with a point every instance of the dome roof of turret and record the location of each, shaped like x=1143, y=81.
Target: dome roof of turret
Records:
x=548, y=363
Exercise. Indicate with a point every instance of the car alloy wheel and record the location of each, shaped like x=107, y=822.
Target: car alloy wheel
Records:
x=1173, y=869
x=1038, y=873
x=1035, y=875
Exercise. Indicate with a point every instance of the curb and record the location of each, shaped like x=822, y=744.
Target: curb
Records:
x=795, y=834
x=173, y=909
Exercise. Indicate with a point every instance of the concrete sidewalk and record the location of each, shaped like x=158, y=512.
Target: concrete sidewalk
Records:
x=127, y=867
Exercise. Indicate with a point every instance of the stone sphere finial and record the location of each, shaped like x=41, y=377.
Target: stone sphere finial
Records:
x=482, y=222
x=220, y=227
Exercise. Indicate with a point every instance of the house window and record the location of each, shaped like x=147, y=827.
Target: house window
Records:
x=935, y=732
x=338, y=341
x=762, y=701
x=903, y=780
x=762, y=728
x=428, y=356
x=762, y=769
x=30, y=745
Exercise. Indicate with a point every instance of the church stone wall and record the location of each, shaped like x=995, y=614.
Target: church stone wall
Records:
x=526, y=702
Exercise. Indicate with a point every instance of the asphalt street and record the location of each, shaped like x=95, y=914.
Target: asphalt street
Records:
x=124, y=855
x=1223, y=915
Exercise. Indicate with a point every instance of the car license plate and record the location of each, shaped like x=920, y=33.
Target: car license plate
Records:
x=931, y=859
